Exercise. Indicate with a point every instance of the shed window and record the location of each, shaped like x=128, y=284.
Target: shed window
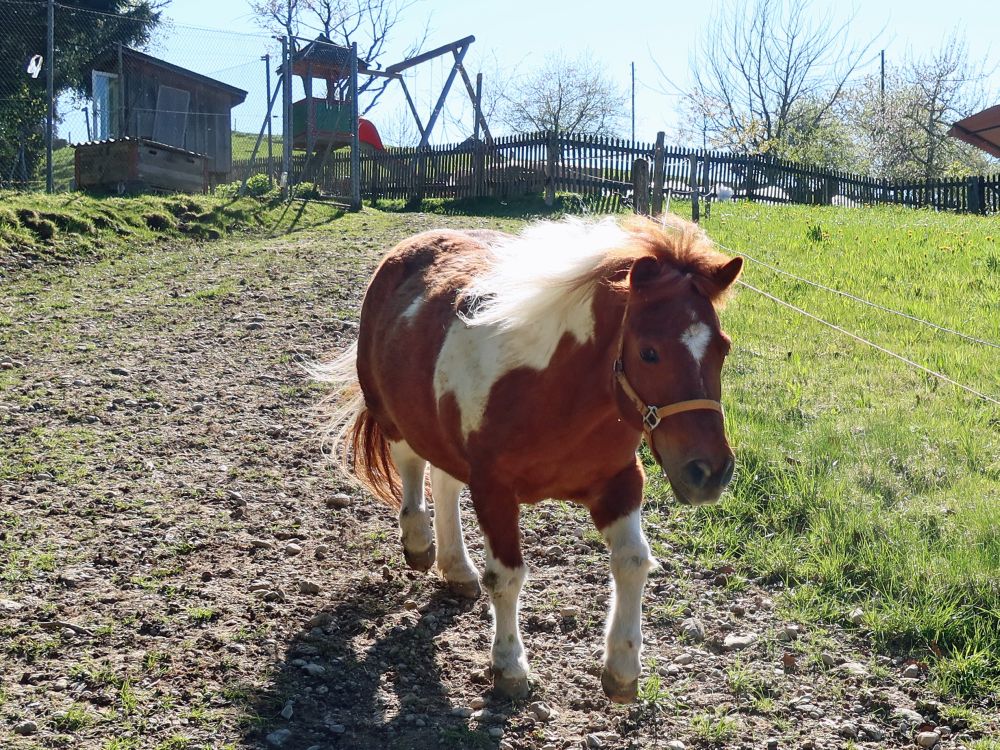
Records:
x=170, y=124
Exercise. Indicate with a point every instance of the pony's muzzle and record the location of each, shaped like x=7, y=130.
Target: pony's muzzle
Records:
x=700, y=483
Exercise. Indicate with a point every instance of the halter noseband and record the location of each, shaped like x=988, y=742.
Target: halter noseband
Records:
x=653, y=415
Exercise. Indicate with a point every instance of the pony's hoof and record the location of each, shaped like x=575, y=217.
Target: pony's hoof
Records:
x=617, y=691
x=510, y=687
x=422, y=561
x=465, y=589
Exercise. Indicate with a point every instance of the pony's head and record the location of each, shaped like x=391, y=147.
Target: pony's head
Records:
x=668, y=375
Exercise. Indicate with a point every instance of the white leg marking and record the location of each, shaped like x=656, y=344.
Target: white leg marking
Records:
x=504, y=585
x=631, y=561
x=452, y=557
x=696, y=338
x=414, y=517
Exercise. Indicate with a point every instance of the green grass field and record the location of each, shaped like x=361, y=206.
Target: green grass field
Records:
x=864, y=483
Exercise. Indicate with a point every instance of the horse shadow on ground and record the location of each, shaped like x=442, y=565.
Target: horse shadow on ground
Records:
x=351, y=678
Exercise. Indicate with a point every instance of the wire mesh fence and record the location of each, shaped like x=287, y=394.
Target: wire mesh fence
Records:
x=131, y=74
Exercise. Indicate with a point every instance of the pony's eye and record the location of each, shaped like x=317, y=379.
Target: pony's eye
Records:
x=649, y=355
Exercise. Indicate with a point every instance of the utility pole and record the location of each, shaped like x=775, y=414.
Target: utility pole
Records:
x=50, y=118
x=881, y=88
x=633, y=102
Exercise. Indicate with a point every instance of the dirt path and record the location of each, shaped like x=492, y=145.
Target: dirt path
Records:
x=178, y=570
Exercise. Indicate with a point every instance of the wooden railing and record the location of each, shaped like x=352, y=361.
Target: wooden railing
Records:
x=600, y=170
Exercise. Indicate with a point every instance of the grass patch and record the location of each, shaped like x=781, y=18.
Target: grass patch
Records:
x=38, y=228
x=861, y=482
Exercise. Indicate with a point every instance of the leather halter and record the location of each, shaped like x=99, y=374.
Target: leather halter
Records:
x=653, y=415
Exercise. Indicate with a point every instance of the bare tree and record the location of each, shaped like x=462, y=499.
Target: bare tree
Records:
x=571, y=95
x=370, y=23
x=760, y=62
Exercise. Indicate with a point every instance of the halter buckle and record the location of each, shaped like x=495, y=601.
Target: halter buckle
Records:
x=651, y=418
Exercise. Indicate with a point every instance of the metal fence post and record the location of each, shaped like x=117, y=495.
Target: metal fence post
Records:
x=286, y=114
x=50, y=118
x=355, y=140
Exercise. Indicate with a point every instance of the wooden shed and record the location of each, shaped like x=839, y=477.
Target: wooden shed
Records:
x=138, y=96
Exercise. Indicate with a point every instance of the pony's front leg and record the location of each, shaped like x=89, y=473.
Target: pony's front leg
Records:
x=616, y=515
x=505, y=574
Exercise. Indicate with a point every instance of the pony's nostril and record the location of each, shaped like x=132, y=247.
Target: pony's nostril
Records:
x=726, y=475
x=697, y=473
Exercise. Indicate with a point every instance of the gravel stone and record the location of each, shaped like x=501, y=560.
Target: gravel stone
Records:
x=911, y=671
x=25, y=728
x=308, y=587
x=738, y=642
x=927, y=739
x=340, y=500
x=693, y=629
x=279, y=737
x=541, y=710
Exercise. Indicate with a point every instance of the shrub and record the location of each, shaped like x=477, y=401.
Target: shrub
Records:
x=306, y=191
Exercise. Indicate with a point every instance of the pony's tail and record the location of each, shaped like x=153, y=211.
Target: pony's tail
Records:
x=350, y=431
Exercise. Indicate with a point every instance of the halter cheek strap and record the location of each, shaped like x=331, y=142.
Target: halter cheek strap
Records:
x=653, y=415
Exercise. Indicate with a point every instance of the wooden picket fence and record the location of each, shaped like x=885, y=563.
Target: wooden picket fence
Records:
x=600, y=171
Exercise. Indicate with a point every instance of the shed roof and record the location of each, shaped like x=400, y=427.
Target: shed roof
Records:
x=981, y=129
x=109, y=63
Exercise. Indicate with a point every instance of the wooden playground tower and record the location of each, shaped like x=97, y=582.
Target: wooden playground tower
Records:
x=318, y=125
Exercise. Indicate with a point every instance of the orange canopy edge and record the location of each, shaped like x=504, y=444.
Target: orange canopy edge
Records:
x=981, y=130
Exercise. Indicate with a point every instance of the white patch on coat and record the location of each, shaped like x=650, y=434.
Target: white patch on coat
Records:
x=411, y=312
x=473, y=359
x=696, y=338
x=540, y=288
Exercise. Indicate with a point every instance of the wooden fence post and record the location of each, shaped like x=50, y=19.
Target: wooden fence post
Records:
x=658, y=174
x=693, y=183
x=551, y=160
x=974, y=187
x=640, y=186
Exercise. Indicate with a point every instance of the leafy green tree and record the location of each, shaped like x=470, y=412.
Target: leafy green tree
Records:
x=84, y=30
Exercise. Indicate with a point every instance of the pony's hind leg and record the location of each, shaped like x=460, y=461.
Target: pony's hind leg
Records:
x=414, y=517
x=452, y=557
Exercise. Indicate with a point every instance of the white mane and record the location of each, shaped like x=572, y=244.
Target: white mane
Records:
x=543, y=280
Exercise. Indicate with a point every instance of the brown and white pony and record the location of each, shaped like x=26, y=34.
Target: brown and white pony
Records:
x=530, y=367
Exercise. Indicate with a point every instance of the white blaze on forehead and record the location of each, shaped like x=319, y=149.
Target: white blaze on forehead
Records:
x=696, y=338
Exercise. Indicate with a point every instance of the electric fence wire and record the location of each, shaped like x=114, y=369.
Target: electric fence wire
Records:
x=863, y=301
x=872, y=344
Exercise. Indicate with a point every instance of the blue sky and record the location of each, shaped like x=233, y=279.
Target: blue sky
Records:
x=517, y=34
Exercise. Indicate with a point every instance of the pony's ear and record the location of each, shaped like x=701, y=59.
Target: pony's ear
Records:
x=725, y=276
x=644, y=270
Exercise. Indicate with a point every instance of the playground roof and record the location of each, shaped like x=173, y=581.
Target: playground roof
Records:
x=981, y=129
x=321, y=58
